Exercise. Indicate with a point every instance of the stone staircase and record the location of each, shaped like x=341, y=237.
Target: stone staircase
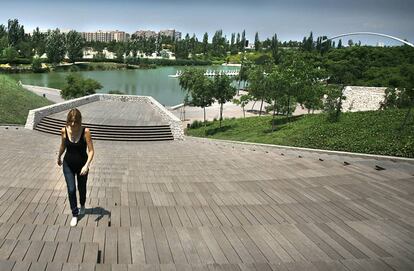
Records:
x=111, y=132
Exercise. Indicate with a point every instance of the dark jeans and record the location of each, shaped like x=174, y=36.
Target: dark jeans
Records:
x=70, y=183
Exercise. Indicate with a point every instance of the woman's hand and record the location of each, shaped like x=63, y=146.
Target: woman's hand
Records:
x=84, y=170
x=59, y=161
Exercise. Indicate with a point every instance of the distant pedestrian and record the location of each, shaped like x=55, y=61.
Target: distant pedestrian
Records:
x=77, y=160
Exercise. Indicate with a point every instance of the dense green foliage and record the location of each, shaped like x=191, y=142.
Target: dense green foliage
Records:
x=15, y=101
x=77, y=87
x=375, y=132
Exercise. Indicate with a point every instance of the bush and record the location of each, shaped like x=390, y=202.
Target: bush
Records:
x=78, y=87
x=37, y=65
x=196, y=124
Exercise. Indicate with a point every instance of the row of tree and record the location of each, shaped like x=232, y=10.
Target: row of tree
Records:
x=14, y=43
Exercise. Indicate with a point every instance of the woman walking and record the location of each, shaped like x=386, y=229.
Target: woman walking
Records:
x=77, y=160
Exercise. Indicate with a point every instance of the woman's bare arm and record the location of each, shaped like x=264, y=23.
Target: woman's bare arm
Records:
x=91, y=151
x=62, y=146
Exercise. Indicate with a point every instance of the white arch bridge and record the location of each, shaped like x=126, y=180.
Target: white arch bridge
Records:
x=370, y=33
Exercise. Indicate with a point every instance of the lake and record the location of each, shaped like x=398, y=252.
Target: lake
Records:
x=151, y=82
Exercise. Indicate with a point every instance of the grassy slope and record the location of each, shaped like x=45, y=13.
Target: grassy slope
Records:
x=374, y=132
x=15, y=102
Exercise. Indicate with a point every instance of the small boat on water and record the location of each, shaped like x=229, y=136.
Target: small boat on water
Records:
x=177, y=74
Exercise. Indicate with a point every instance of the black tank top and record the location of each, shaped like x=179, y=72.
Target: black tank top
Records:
x=76, y=155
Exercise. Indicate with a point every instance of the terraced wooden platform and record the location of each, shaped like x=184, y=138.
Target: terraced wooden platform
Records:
x=203, y=205
x=114, y=121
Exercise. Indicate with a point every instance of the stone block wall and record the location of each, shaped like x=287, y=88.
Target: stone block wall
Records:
x=362, y=98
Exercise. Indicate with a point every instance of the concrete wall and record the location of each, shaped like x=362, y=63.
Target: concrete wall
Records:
x=36, y=115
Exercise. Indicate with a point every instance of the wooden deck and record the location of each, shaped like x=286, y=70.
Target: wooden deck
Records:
x=116, y=113
x=203, y=205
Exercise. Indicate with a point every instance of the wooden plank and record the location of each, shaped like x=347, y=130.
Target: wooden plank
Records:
x=249, y=244
x=111, y=248
x=62, y=234
x=174, y=242
x=62, y=252
x=54, y=266
x=4, y=229
x=20, y=250
x=284, y=243
x=137, y=245
x=264, y=247
x=163, y=248
x=238, y=246
x=48, y=251
x=201, y=247
x=341, y=241
x=50, y=233
x=39, y=232
x=6, y=265
x=319, y=242
x=34, y=251
x=87, y=234
x=76, y=253
x=225, y=245
x=188, y=247
x=213, y=246
x=91, y=253
x=150, y=247
x=21, y=266
x=124, y=246
x=74, y=234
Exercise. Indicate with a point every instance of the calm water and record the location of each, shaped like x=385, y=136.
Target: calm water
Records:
x=152, y=82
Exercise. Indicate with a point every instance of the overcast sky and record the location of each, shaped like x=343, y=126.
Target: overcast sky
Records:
x=289, y=19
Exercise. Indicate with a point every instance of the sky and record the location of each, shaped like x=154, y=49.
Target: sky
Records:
x=289, y=19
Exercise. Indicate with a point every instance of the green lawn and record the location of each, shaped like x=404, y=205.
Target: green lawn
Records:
x=374, y=132
x=15, y=101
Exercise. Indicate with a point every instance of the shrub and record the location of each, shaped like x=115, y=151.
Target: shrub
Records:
x=77, y=87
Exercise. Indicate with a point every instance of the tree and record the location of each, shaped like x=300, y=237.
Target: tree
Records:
x=339, y=44
x=274, y=47
x=39, y=42
x=55, y=46
x=205, y=43
x=200, y=90
x=77, y=87
x=15, y=32
x=74, y=45
x=257, y=88
x=276, y=87
x=10, y=54
x=243, y=40
x=222, y=91
x=243, y=101
x=256, y=42
x=37, y=64
x=333, y=101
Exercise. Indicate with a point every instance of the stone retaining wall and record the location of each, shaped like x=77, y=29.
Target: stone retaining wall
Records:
x=36, y=115
x=363, y=98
